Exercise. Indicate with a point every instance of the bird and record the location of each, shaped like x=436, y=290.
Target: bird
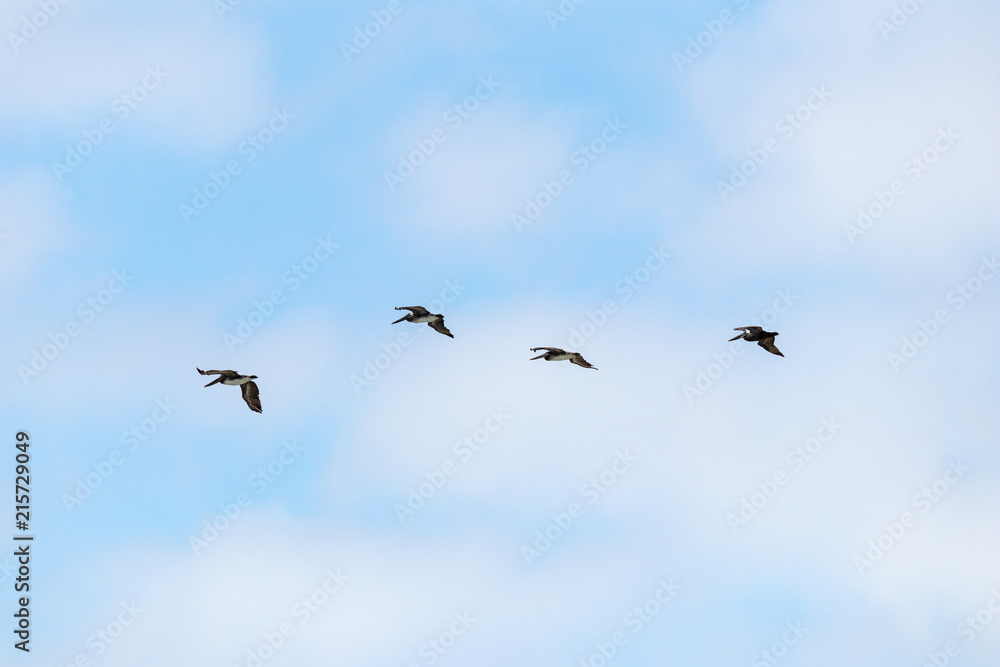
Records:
x=555, y=354
x=245, y=382
x=764, y=338
x=419, y=315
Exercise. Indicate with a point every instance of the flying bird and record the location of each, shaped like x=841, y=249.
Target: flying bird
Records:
x=245, y=382
x=555, y=354
x=419, y=315
x=764, y=338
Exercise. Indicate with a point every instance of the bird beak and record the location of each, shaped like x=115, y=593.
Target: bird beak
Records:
x=401, y=319
x=538, y=357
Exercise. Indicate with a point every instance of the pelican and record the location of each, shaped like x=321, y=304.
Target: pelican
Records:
x=245, y=382
x=555, y=354
x=419, y=315
x=764, y=338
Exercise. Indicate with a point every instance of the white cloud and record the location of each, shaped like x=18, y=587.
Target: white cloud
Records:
x=69, y=75
x=487, y=165
x=33, y=229
x=887, y=105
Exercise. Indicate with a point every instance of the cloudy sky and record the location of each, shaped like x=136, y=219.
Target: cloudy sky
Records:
x=255, y=186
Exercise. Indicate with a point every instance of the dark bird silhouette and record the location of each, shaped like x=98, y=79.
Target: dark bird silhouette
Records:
x=764, y=338
x=245, y=382
x=419, y=315
x=555, y=354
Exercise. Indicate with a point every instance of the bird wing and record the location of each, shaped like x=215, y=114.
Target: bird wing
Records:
x=749, y=329
x=768, y=344
x=438, y=325
x=416, y=310
x=580, y=361
x=222, y=375
x=251, y=394
x=553, y=350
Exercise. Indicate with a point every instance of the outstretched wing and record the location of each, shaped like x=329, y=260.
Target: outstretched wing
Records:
x=251, y=395
x=222, y=375
x=438, y=325
x=580, y=361
x=416, y=310
x=553, y=350
x=746, y=331
x=768, y=344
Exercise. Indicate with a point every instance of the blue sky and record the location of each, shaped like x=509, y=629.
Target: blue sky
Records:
x=631, y=182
